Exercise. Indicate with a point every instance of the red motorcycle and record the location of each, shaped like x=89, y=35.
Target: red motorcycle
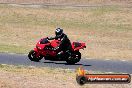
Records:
x=44, y=49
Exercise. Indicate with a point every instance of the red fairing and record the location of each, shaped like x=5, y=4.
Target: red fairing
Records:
x=45, y=47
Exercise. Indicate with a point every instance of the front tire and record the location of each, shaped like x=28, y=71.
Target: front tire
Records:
x=32, y=56
x=74, y=58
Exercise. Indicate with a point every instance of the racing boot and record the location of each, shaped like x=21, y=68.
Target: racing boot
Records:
x=69, y=52
x=56, y=48
x=60, y=55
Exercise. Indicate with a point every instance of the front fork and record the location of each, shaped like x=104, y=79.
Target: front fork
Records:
x=36, y=52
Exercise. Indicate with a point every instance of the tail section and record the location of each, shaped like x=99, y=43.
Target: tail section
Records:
x=77, y=45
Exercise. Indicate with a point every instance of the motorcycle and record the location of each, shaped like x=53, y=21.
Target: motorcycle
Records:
x=44, y=49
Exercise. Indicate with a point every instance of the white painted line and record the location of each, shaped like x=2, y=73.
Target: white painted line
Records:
x=6, y=51
x=107, y=59
x=3, y=64
x=123, y=60
x=32, y=66
x=15, y=53
x=89, y=58
x=25, y=54
x=124, y=73
x=110, y=72
x=12, y=53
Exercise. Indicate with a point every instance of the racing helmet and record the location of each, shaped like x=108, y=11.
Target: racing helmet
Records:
x=58, y=32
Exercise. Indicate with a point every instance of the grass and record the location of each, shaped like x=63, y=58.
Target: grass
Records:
x=21, y=76
x=13, y=48
x=33, y=75
x=68, y=18
x=107, y=30
x=70, y=2
x=44, y=70
x=35, y=70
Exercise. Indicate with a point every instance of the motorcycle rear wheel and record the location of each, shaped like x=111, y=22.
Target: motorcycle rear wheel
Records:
x=74, y=58
x=32, y=56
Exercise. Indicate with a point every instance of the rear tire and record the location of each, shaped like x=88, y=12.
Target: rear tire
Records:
x=32, y=56
x=74, y=58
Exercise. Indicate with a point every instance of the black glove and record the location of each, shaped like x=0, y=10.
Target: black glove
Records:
x=50, y=38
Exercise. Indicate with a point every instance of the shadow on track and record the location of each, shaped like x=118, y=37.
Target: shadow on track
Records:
x=64, y=63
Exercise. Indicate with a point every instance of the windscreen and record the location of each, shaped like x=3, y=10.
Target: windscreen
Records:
x=44, y=41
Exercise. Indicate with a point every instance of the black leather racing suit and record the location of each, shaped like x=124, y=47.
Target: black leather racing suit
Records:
x=65, y=43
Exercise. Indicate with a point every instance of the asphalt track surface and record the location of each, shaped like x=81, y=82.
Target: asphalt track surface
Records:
x=104, y=65
x=60, y=5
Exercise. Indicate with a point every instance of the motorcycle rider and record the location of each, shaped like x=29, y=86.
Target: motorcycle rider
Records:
x=65, y=44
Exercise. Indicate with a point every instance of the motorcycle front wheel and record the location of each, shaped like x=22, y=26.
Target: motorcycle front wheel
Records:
x=32, y=56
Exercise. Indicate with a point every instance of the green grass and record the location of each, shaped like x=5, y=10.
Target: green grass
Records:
x=96, y=18
x=14, y=49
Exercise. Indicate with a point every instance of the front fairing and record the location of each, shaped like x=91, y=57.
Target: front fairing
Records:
x=41, y=47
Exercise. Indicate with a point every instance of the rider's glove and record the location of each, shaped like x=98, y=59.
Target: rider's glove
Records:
x=50, y=38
